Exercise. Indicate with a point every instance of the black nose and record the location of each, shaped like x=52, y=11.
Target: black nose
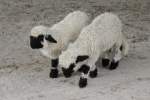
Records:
x=35, y=42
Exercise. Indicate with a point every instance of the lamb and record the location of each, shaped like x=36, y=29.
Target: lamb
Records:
x=100, y=38
x=51, y=41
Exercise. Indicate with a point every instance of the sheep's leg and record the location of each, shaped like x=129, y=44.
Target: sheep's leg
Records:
x=105, y=59
x=85, y=70
x=93, y=71
x=117, y=57
x=84, y=75
x=54, y=70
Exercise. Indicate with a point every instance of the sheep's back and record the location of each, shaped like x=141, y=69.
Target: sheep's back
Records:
x=103, y=32
x=71, y=25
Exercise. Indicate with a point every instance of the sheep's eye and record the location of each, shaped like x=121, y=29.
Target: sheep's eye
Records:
x=40, y=37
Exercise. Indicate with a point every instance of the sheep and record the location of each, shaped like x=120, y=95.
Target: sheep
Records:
x=98, y=39
x=51, y=41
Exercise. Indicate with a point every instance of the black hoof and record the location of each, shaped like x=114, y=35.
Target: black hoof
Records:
x=53, y=73
x=82, y=82
x=67, y=72
x=105, y=62
x=93, y=74
x=113, y=65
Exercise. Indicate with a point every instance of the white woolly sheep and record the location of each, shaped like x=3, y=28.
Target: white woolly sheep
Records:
x=52, y=41
x=103, y=35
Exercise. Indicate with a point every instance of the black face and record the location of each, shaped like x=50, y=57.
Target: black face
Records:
x=68, y=71
x=36, y=42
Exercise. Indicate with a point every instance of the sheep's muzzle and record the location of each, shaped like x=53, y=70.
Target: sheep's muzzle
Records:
x=35, y=42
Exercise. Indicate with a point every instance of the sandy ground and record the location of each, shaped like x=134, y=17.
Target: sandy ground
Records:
x=24, y=72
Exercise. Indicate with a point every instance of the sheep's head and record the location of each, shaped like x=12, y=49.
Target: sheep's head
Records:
x=71, y=63
x=38, y=35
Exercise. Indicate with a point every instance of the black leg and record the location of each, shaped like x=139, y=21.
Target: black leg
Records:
x=93, y=73
x=83, y=79
x=114, y=64
x=54, y=70
x=82, y=82
x=105, y=62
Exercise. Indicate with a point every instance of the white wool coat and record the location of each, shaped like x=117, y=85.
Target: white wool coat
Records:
x=64, y=32
x=102, y=34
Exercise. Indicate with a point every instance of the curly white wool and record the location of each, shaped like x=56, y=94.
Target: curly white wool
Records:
x=103, y=34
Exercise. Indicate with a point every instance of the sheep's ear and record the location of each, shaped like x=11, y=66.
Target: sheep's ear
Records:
x=50, y=39
x=81, y=58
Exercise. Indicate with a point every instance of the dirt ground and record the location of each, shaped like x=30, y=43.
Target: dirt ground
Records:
x=24, y=72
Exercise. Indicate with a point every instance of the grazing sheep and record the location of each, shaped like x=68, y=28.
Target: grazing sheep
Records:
x=103, y=35
x=52, y=41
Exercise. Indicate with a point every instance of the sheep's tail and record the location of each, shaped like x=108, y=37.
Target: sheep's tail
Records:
x=125, y=47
